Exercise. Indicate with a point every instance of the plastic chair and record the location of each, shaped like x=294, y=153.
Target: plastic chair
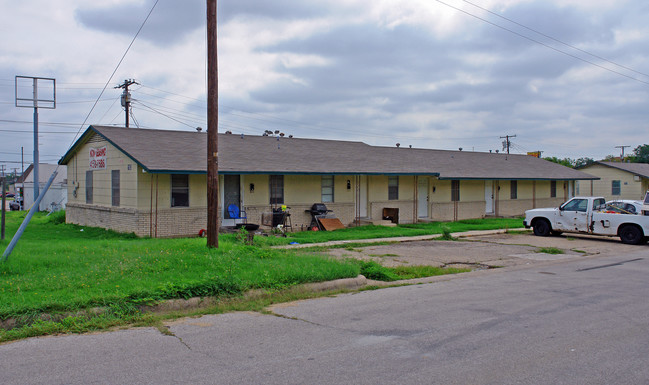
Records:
x=235, y=213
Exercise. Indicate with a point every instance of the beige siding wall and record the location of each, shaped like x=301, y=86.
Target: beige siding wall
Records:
x=261, y=195
x=341, y=193
x=302, y=189
x=115, y=160
x=630, y=186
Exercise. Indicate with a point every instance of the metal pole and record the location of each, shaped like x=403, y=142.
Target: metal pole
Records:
x=29, y=216
x=36, y=155
x=212, y=129
x=4, y=202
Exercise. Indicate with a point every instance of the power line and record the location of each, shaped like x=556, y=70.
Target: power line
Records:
x=114, y=71
x=543, y=44
x=557, y=40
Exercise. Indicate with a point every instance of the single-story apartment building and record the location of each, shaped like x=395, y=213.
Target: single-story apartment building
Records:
x=154, y=182
x=616, y=180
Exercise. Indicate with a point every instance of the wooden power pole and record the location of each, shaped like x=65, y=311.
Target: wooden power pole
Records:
x=212, y=129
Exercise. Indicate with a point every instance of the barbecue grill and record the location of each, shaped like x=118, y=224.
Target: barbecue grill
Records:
x=317, y=211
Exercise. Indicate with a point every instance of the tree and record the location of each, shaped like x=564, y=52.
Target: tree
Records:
x=641, y=153
x=581, y=162
x=564, y=162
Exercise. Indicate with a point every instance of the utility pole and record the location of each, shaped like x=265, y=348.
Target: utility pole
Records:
x=506, y=142
x=126, y=98
x=212, y=129
x=622, y=147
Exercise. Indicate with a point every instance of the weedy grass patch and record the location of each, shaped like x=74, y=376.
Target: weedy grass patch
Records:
x=377, y=272
x=550, y=250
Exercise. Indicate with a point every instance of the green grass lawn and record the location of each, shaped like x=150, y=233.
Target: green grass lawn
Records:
x=62, y=268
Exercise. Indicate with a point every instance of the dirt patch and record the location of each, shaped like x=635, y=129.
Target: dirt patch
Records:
x=486, y=251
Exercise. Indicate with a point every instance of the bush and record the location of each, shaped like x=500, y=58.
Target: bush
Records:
x=57, y=217
x=372, y=270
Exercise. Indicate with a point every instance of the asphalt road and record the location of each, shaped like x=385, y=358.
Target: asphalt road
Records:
x=567, y=322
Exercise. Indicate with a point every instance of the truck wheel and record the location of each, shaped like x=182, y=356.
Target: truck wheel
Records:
x=631, y=235
x=541, y=228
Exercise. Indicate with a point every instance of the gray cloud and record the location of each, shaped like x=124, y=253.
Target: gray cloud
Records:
x=169, y=23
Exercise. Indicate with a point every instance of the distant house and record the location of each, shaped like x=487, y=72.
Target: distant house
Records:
x=616, y=180
x=55, y=197
x=154, y=182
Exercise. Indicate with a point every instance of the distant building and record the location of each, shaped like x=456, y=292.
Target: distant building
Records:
x=57, y=195
x=616, y=180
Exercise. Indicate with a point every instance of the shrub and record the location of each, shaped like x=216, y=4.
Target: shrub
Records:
x=372, y=270
x=57, y=217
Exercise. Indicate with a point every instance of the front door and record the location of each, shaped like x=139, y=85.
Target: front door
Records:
x=231, y=196
x=363, y=196
x=489, y=197
x=422, y=197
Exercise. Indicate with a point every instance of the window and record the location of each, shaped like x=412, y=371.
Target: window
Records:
x=89, y=187
x=393, y=188
x=114, y=183
x=327, y=188
x=576, y=205
x=276, y=189
x=455, y=190
x=514, y=189
x=553, y=189
x=179, y=190
x=615, y=187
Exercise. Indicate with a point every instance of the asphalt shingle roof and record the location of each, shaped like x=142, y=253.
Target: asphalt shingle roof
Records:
x=641, y=169
x=186, y=152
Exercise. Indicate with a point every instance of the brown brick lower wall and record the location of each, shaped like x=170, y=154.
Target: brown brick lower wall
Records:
x=405, y=210
x=172, y=222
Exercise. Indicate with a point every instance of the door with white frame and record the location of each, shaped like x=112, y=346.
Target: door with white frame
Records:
x=422, y=197
x=363, y=196
x=489, y=197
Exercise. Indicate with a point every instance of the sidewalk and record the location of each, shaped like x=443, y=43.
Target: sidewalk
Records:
x=429, y=237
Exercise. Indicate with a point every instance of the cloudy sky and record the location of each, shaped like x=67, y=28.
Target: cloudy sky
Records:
x=567, y=77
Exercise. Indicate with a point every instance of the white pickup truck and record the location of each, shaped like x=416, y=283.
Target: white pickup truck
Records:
x=584, y=215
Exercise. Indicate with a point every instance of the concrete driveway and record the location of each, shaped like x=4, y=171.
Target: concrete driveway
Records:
x=487, y=251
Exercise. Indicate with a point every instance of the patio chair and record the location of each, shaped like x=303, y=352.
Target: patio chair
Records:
x=237, y=214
